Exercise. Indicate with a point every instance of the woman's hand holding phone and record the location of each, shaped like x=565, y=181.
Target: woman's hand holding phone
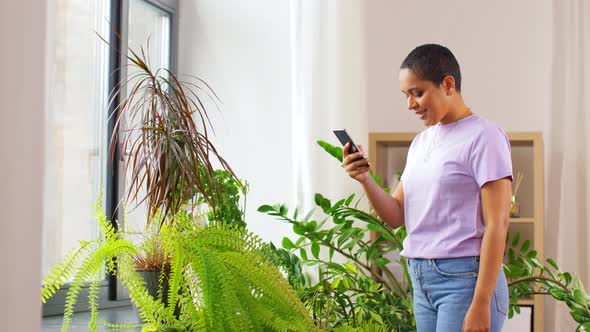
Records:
x=359, y=169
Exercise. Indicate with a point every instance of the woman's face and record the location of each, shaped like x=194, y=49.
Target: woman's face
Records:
x=425, y=99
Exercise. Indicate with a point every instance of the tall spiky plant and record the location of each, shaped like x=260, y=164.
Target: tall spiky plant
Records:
x=162, y=124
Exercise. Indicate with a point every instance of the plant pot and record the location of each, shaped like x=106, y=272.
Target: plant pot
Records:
x=151, y=279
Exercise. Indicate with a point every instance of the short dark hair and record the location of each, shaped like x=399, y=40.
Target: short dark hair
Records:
x=433, y=62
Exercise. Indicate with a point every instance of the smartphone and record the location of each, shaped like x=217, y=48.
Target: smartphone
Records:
x=344, y=138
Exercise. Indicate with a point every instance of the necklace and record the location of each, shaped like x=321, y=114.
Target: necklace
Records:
x=433, y=146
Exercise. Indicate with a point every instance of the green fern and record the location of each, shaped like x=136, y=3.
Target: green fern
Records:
x=62, y=271
x=151, y=311
x=89, y=269
x=219, y=278
x=117, y=326
x=238, y=287
x=93, y=300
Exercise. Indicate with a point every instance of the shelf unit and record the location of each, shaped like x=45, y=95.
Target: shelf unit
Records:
x=388, y=153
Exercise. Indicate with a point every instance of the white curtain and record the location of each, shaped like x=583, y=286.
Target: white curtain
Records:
x=327, y=57
x=568, y=147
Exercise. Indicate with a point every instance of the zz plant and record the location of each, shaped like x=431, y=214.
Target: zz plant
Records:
x=364, y=291
x=529, y=276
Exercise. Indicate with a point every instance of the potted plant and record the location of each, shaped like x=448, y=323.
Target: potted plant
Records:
x=210, y=275
x=363, y=293
x=221, y=278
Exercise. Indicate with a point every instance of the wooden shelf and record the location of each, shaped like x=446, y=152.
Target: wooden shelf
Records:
x=526, y=302
x=522, y=220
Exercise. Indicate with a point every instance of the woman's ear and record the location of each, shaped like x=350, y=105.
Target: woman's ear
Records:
x=448, y=85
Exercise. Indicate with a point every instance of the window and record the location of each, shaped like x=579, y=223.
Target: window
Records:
x=77, y=132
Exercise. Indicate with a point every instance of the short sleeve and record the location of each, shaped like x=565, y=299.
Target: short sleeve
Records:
x=490, y=157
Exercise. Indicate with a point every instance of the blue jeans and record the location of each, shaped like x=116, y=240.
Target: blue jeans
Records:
x=443, y=291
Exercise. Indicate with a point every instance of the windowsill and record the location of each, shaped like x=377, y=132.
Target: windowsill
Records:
x=118, y=315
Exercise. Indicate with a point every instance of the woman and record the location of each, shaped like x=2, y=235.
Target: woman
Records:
x=453, y=198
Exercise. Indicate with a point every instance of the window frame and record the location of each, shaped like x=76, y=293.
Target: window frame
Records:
x=111, y=293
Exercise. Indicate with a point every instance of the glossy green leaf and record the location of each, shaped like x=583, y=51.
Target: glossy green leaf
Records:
x=311, y=226
x=349, y=200
x=315, y=249
x=381, y=261
x=298, y=229
x=283, y=210
x=525, y=246
x=558, y=294
x=536, y=263
x=372, y=252
x=516, y=239
x=303, y=254
x=318, y=199
x=580, y=297
x=350, y=267
x=265, y=208
x=336, y=282
x=288, y=244
x=552, y=263
x=334, y=151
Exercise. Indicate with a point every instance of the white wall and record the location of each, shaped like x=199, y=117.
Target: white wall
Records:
x=242, y=49
x=22, y=101
x=329, y=79
x=245, y=51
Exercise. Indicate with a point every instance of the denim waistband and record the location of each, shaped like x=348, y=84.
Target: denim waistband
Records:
x=477, y=258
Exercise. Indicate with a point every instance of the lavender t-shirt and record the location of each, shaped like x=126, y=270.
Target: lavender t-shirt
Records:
x=446, y=167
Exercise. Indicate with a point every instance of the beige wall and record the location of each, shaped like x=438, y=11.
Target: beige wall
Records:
x=504, y=49
x=22, y=98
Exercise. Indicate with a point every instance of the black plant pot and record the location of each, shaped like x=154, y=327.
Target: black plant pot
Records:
x=151, y=279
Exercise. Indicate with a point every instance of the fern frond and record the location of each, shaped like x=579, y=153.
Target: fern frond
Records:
x=120, y=326
x=273, y=288
x=90, y=267
x=63, y=270
x=93, y=301
x=177, y=262
x=151, y=311
x=237, y=283
x=189, y=314
x=104, y=225
x=207, y=285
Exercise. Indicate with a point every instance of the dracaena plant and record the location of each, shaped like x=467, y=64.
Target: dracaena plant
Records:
x=163, y=126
